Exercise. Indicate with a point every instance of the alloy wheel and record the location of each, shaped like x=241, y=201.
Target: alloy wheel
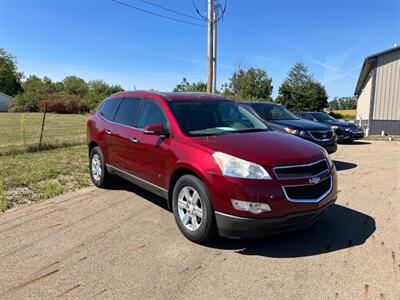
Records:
x=190, y=208
x=96, y=167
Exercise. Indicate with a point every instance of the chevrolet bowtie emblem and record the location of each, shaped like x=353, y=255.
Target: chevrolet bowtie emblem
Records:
x=314, y=180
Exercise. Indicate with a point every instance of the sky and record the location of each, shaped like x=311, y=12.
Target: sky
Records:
x=101, y=39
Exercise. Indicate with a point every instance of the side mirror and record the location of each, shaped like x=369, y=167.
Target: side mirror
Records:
x=156, y=129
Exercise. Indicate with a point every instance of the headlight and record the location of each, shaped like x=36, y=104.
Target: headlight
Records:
x=291, y=131
x=253, y=207
x=328, y=158
x=335, y=127
x=348, y=129
x=295, y=132
x=235, y=167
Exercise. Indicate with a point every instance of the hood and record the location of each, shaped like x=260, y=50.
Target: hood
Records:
x=300, y=124
x=341, y=124
x=270, y=148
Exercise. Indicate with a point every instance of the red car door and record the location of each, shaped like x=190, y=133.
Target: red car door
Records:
x=121, y=138
x=152, y=152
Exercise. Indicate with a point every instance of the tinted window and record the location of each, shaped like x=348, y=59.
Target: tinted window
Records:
x=308, y=117
x=127, y=112
x=325, y=118
x=273, y=112
x=151, y=113
x=108, y=108
x=214, y=117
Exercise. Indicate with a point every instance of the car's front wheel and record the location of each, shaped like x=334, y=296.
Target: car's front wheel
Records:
x=192, y=209
x=98, y=171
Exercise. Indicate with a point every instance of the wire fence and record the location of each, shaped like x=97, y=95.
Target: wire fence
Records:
x=20, y=132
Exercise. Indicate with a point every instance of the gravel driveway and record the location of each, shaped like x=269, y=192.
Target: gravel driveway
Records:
x=123, y=243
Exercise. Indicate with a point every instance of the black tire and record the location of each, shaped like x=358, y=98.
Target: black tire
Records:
x=207, y=229
x=105, y=179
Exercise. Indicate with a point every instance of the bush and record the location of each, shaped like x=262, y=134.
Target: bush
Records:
x=62, y=103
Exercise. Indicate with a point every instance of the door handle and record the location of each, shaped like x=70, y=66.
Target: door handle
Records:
x=108, y=131
x=134, y=140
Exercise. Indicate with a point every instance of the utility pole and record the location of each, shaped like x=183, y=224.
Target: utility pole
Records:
x=210, y=46
x=214, y=80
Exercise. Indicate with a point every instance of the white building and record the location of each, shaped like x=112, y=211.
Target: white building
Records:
x=5, y=102
x=378, y=92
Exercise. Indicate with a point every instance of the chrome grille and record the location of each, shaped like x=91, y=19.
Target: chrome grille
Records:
x=301, y=171
x=309, y=192
x=323, y=135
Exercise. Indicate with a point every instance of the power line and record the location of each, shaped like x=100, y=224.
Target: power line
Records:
x=156, y=14
x=221, y=8
x=173, y=11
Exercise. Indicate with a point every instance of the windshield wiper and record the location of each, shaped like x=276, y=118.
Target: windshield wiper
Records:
x=251, y=130
x=207, y=134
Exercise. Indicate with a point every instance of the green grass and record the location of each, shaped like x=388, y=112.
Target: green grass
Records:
x=27, y=174
x=20, y=132
x=41, y=175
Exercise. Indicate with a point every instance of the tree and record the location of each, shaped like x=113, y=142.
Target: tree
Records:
x=34, y=89
x=250, y=84
x=185, y=86
x=344, y=103
x=301, y=92
x=98, y=90
x=61, y=102
x=10, y=78
x=334, y=104
x=75, y=86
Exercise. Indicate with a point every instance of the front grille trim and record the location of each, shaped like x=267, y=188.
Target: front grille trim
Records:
x=319, y=199
x=279, y=177
x=311, y=133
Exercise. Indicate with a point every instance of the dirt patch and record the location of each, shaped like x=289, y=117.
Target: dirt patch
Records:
x=17, y=196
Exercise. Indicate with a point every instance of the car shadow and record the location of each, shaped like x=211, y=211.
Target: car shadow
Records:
x=340, y=228
x=342, y=165
x=359, y=143
x=123, y=185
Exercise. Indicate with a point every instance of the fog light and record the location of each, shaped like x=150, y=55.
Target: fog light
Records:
x=253, y=207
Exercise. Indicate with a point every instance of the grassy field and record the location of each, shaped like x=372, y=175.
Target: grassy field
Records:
x=347, y=115
x=21, y=131
x=28, y=175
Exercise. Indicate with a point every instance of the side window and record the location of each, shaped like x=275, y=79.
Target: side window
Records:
x=313, y=118
x=307, y=116
x=127, y=112
x=151, y=113
x=108, y=108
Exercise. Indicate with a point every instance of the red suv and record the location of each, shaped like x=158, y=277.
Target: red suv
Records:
x=219, y=167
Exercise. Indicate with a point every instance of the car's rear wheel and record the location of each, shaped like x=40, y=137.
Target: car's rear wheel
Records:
x=98, y=171
x=192, y=209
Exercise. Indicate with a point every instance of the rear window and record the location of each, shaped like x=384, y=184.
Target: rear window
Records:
x=108, y=108
x=127, y=112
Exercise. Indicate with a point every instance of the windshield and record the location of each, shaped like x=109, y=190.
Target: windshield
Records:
x=197, y=118
x=325, y=118
x=273, y=112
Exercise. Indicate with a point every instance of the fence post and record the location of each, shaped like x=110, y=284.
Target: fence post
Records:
x=41, y=131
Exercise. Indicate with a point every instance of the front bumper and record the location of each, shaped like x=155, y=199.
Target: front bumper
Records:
x=238, y=227
x=330, y=146
x=349, y=136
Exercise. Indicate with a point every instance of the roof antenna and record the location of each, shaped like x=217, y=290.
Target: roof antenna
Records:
x=134, y=87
